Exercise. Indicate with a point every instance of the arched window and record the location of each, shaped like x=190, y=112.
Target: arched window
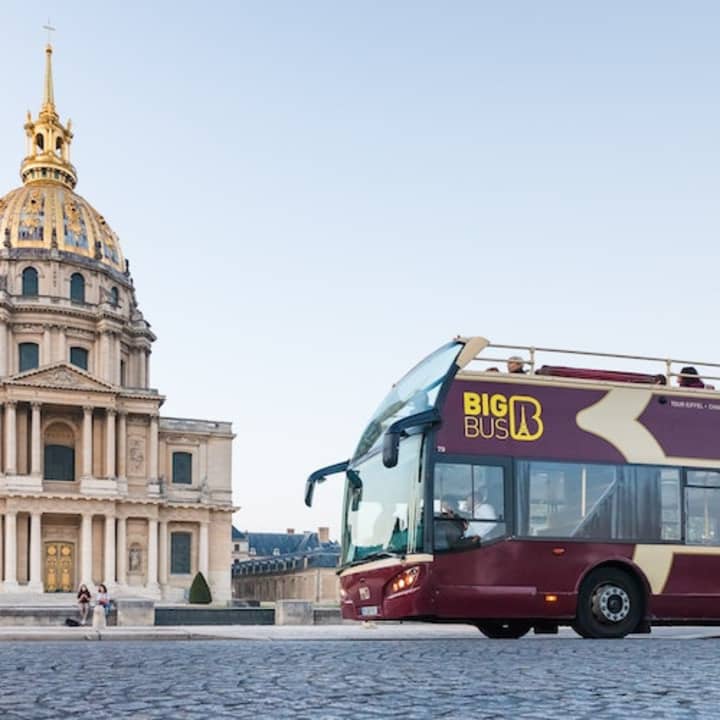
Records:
x=77, y=288
x=59, y=462
x=40, y=142
x=79, y=357
x=30, y=282
x=28, y=356
x=114, y=296
x=182, y=468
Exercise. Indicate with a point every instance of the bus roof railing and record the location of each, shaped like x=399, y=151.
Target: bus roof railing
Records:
x=532, y=350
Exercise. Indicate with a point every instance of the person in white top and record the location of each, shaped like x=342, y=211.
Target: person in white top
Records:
x=482, y=511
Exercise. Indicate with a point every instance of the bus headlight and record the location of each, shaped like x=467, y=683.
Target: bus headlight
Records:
x=404, y=580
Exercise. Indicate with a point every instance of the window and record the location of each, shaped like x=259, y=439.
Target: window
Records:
x=79, y=357
x=182, y=468
x=114, y=296
x=28, y=356
x=59, y=462
x=30, y=282
x=703, y=507
x=602, y=502
x=180, y=543
x=122, y=373
x=77, y=288
x=469, y=504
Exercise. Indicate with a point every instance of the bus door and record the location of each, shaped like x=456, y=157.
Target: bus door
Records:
x=692, y=587
x=471, y=511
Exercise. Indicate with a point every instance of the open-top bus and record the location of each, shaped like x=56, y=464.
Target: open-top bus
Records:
x=518, y=500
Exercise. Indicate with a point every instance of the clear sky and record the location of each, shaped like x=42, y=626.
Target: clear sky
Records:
x=313, y=195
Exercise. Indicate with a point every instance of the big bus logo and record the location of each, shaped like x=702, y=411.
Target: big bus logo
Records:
x=497, y=416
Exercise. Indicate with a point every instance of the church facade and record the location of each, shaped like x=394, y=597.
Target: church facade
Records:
x=95, y=486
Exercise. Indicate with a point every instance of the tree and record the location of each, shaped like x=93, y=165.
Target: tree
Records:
x=200, y=591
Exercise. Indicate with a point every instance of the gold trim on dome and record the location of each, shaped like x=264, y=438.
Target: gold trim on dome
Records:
x=51, y=216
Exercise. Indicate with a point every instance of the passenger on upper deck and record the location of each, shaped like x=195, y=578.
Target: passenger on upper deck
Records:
x=515, y=364
x=690, y=378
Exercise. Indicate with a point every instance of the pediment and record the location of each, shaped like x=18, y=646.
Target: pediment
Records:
x=60, y=375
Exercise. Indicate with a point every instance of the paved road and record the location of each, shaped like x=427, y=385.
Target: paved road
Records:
x=373, y=678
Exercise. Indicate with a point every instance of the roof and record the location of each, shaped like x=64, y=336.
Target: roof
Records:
x=283, y=552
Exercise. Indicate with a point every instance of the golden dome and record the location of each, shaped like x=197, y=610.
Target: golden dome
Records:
x=45, y=213
x=50, y=216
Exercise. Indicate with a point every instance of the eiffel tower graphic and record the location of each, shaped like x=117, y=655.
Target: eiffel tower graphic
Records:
x=522, y=432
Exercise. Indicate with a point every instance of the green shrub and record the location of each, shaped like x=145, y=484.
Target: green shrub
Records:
x=199, y=591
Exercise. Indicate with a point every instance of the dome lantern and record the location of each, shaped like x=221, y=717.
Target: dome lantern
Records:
x=48, y=140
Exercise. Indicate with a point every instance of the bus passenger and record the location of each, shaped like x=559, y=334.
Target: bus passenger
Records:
x=690, y=378
x=482, y=513
x=515, y=364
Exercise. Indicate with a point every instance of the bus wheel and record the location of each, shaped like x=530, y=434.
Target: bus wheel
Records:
x=499, y=630
x=609, y=605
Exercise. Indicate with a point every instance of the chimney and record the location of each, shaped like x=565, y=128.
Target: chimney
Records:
x=324, y=534
x=290, y=531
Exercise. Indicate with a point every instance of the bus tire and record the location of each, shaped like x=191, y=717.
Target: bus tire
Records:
x=610, y=604
x=500, y=630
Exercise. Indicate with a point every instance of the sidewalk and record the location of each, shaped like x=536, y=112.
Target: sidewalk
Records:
x=314, y=633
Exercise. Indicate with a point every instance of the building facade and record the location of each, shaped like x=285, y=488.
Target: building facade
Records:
x=95, y=486
x=285, y=566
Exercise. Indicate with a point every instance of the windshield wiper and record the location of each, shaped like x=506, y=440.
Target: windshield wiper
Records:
x=379, y=555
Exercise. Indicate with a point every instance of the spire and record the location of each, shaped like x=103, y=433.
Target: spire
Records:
x=48, y=93
x=47, y=158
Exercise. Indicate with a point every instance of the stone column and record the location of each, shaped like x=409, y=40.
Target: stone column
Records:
x=204, y=549
x=47, y=356
x=86, y=551
x=62, y=351
x=87, y=441
x=117, y=355
x=110, y=444
x=36, y=441
x=163, y=553
x=122, y=551
x=109, y=550
x=2, y=550
x=11, y=551
x=146, y=358
x=36, y=583
x=4, y=348
x=104, y=368
x=153, y=458
x=152, y=563
x=140, y=360
x=122, y=444
x=10, y=439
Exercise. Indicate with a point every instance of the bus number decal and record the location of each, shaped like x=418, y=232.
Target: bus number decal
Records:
x=498, y=416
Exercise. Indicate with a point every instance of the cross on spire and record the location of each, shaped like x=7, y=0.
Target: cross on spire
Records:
x=50, y=29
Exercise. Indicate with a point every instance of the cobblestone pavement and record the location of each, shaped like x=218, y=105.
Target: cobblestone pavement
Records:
x=440, y=678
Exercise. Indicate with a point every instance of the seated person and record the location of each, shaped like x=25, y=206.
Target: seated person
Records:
x=689, y=378
x=481, y=511
x=515, y=365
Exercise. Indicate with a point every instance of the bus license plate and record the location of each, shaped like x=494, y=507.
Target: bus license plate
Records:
x=369, y=610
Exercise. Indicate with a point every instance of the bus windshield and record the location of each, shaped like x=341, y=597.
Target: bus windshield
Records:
x=415, y=392
x=384, y=518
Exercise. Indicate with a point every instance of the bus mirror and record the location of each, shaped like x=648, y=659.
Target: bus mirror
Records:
x=391, y=439
x=320, y=476
x=391, y=448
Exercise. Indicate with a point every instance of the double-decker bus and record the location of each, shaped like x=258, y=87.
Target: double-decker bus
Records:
x=557, y=495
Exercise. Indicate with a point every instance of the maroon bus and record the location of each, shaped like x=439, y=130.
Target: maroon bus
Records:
x=543, y=496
